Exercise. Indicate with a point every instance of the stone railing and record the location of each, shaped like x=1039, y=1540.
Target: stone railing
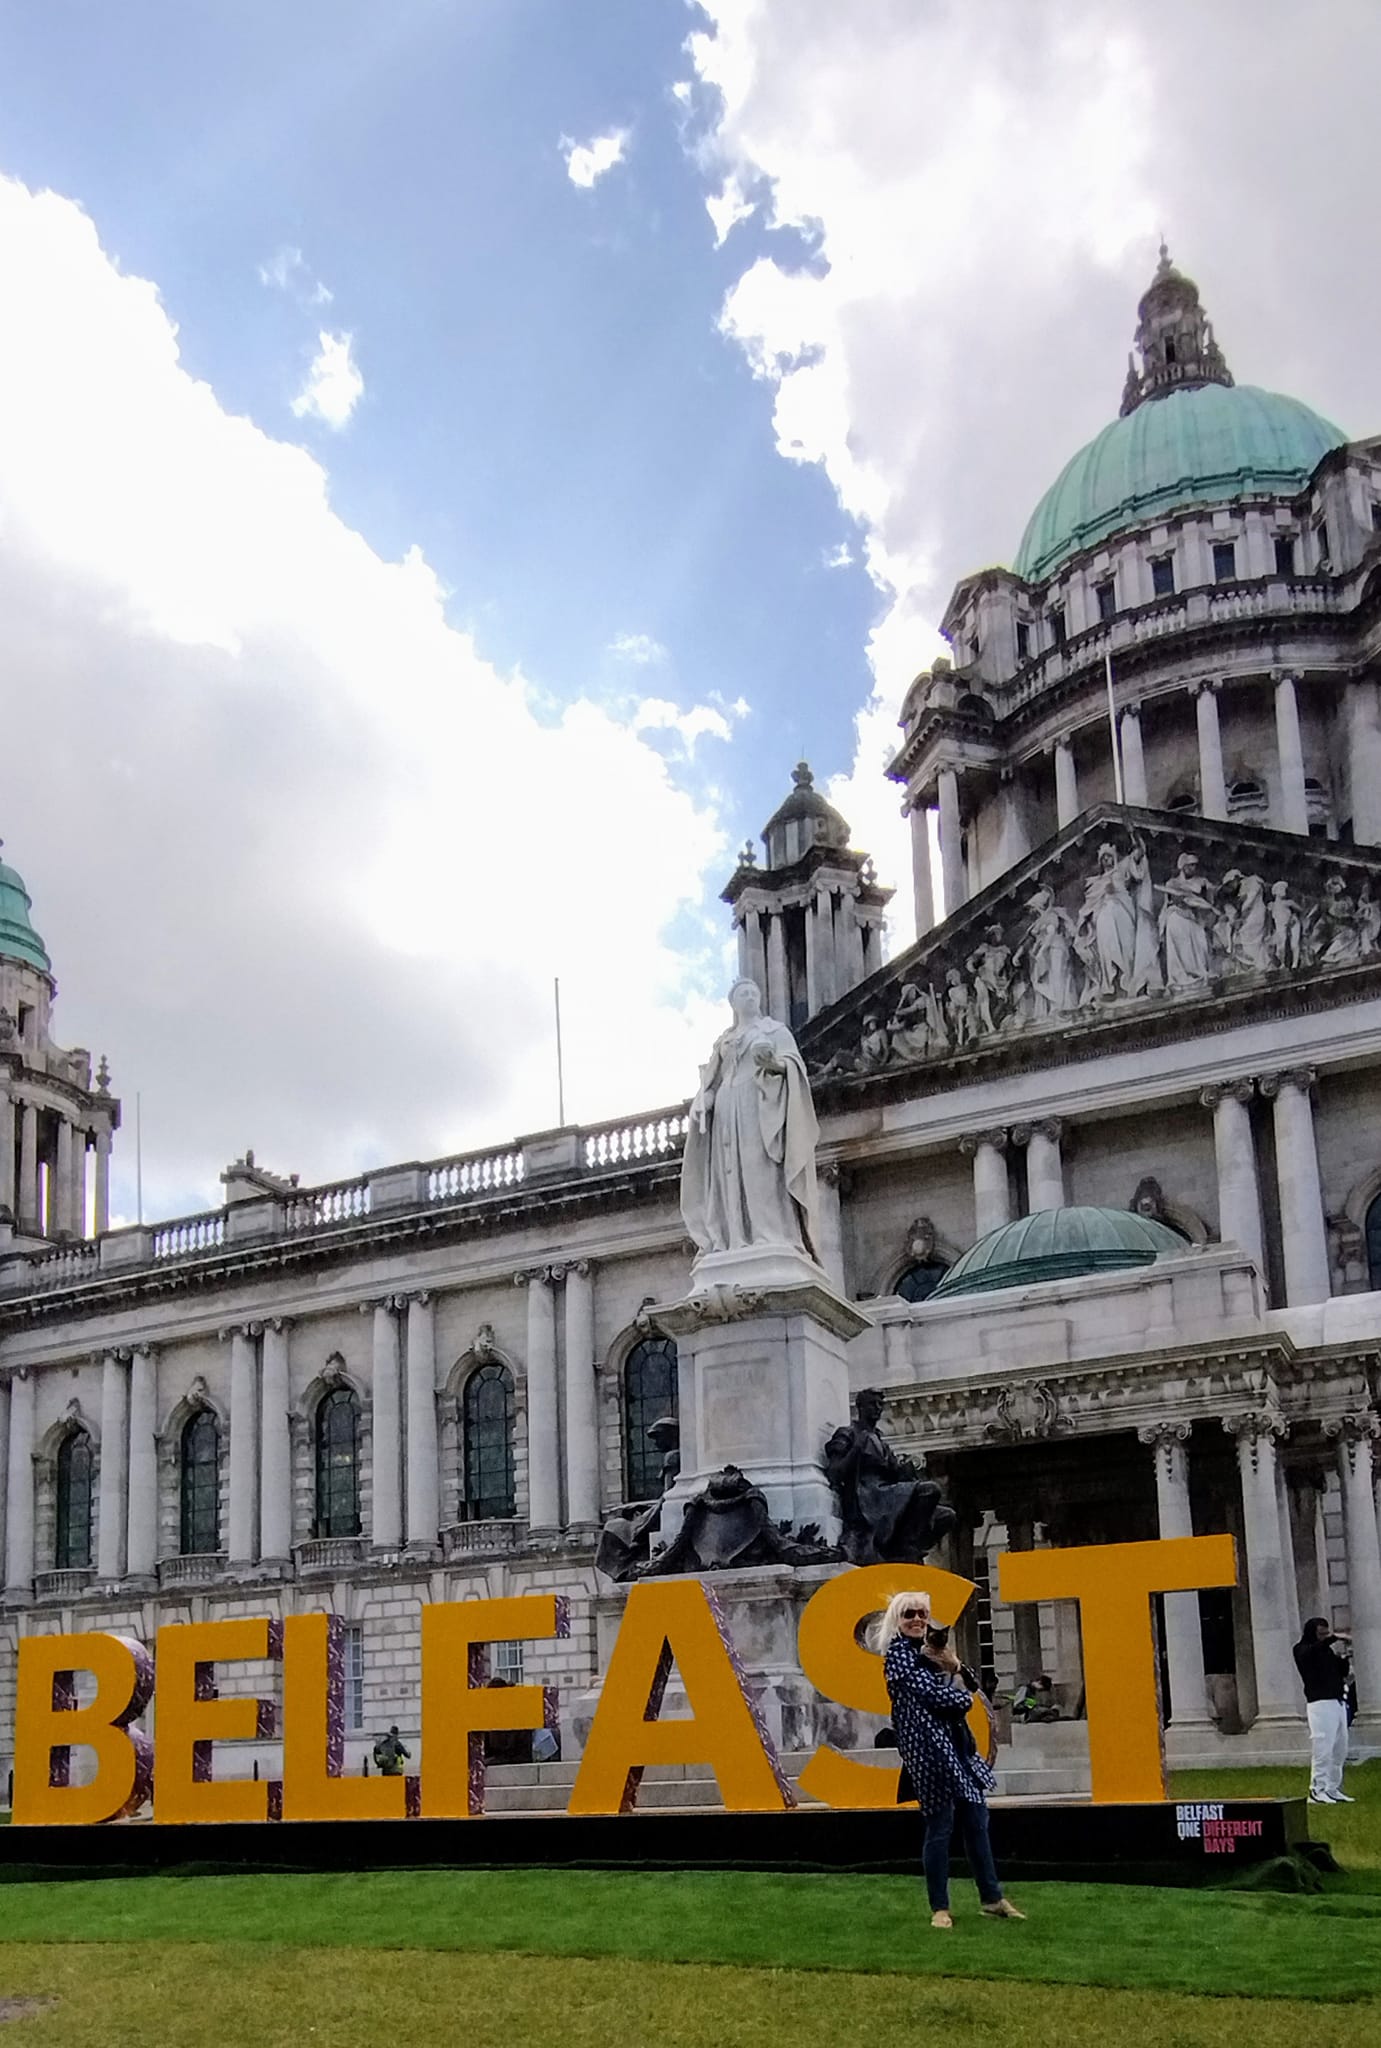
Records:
x=197, y=1568
x=188, y=1235
x=64, y=1585
x=658, y=1136
x=66, y=1264
x=475, y=1173
x=482, y=1539
x=341, y=1201
x=1278, y=597
x=330, y=1553
x=492, y=1175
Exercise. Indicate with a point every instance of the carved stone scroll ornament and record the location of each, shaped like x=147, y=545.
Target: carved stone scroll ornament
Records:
x=1026, y=1412
x=890, y=1512
x=1133, y=930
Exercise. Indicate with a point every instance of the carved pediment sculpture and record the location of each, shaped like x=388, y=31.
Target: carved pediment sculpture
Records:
x=1133, y=913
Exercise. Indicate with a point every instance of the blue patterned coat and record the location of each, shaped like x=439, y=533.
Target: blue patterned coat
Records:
x=928, y=1710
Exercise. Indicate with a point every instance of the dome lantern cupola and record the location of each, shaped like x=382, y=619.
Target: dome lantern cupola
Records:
x=18, y=939
x=1174, y=339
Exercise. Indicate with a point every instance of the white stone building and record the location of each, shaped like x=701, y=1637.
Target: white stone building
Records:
x=1136, y=1062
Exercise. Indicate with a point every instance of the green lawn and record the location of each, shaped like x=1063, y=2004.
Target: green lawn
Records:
x=526, y=1958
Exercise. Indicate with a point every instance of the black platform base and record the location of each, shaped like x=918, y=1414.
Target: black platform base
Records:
x=1184, y=1844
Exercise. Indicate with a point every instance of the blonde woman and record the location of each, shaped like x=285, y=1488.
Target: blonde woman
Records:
x=948, y=1778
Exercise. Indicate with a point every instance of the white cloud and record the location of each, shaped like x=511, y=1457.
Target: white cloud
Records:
x=841, y=557
x=980, y=191
x=305, y=861
x=588, y=161
x=334, y=386
x=286, y=271
x=727, y=207
x=639, y=648
x=702, y=721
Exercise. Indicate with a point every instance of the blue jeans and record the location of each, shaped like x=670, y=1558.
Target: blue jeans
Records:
x=939, y=1826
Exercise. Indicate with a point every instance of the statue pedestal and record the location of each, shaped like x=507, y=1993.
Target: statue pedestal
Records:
x=763, y=1382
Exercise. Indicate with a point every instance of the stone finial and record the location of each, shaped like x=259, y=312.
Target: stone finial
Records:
x=103, y=1076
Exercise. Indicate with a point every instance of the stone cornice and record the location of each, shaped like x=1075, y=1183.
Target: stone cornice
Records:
x=528, y=1206
x=1258, y=1374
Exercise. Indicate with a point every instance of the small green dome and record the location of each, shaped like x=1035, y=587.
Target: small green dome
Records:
x=1058, y=1244
x=1198, y=446
x=18, y=939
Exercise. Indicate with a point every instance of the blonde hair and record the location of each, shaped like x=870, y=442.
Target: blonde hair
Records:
x=888, y=1623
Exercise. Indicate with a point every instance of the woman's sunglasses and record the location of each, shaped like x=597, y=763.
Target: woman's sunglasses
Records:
x=915, y=1614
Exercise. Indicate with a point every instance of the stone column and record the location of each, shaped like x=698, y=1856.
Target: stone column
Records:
x=8, y=1192
x=424, y=1471
x=114, y=1475
x=1184, y=1646
x=812, y=960
x=582, y=1401
x=1045, y=1188
x=1133, y=758
x=19, y=1488
x=1303, y=1236
x=60, y=1185
x=821, y=915
x=543, y=1439
x=951, y=841
x=1294, y=808
x=1278, y=1696
x=992, y=1193
x=102, y=1219
x=1014, y=832
x=275, y=1446
x=78, y=1194
x=4, y=1468
x=387, y=1399
x=29, y=1217
x=922, y=882
x=1357, y=1435
x=244, y=1431
x=1239, y=1191
x=1066, y=784
x=754, y=951
x=1287, y=1551
x=830, y=1250
x=141, y=1557
x=1213, y=793
x=778, y=990
x=1364, y=761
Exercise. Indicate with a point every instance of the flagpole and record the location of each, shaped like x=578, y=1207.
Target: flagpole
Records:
x=560, y=1067
x=1112, y=733
x=138, y=1156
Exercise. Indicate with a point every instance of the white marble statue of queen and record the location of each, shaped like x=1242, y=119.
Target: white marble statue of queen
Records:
x=748, y=1173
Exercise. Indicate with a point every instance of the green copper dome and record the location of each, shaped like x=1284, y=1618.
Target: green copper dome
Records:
x=1058, y=1244
x=1199, y=446
x=18, y=939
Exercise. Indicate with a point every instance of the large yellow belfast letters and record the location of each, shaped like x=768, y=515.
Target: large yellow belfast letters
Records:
x=190, y=1718
x=1113, y=1584
x=678, y=1621
x=837, y=1665
x=458, y=1710
x=49, y=1724
x=314, y=1731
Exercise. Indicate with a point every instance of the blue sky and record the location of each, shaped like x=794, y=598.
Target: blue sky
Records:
x=550, y=411
x=416, y=564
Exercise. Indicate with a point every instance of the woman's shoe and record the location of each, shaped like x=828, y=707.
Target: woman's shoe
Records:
x=1003, y=1909
x=1342, y=1799
x=941, y=1919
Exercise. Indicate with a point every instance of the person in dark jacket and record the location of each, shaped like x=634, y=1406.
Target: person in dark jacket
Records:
x=1322, y=1658
x=941, y=1767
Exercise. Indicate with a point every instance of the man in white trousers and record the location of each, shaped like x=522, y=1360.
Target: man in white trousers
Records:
x=1322, y=1658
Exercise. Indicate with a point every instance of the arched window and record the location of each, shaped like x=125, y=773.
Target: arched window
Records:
x=921, y=1280
x=1374, y=1242
x=338, y=1464
x=649, y=1392
x=201, y=1485
x=487, y=1423
x=74, y=1502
